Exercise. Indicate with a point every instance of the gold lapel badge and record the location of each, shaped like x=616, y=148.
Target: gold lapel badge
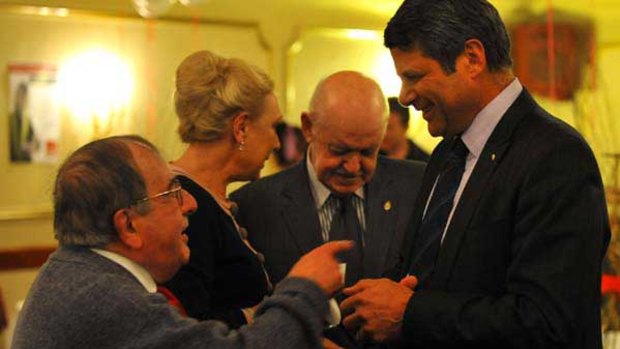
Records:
x=387, y=205
x=493, y=157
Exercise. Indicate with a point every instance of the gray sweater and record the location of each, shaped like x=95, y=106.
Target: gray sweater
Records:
x=83, y=300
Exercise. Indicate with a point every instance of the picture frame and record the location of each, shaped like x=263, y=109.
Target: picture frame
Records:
x=34, y=117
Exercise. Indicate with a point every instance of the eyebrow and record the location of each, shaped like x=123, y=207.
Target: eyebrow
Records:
x=349, y=149
x=412, y=74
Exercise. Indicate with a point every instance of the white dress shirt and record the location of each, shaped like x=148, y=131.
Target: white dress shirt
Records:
x=326, y=208
x=477, y=135
x=132, y=267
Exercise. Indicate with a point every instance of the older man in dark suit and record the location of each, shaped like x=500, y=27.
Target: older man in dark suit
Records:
x=295, y=210
x=511, y=224
x=341, y=183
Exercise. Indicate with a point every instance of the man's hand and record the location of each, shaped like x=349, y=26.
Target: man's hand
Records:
x=327, y=344
x=375, y=308
x=321, y=266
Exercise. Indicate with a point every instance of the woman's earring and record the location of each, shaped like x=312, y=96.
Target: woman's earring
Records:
x=242, y=146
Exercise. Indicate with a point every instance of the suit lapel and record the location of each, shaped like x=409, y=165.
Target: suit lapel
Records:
x=492, y=154
x=298, y=210
x=379, y=221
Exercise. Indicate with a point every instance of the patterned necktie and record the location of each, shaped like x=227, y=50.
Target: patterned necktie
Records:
x=428, y=238
x=346, y=226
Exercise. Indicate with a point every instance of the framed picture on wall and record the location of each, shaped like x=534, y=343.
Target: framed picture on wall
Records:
x=34, y=118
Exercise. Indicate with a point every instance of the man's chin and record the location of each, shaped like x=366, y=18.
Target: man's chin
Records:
x=184, y=255
x=436, y=131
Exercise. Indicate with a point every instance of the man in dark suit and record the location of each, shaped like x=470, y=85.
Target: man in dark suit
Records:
x=292, y=212
x=298, y=209
x=515, y=260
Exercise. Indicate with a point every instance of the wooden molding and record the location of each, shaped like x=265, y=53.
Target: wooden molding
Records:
x=24, y=257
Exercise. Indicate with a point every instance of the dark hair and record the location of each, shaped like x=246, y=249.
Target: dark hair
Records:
x=400, y=110
x=93, y=183
x=292, y=144
x=439, y=29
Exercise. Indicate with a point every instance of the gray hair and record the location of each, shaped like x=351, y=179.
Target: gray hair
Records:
x=94, y=182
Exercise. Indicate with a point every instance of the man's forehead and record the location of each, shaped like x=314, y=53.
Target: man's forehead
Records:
x=355, y=138
x=150, y=164
x=411, y=61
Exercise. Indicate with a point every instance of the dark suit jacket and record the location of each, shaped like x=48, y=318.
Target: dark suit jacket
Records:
x=520, y=265
x=281, y=218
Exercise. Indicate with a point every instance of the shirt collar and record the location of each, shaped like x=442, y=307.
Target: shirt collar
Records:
x=319, y=191
x=476, y=136
x=132, y=267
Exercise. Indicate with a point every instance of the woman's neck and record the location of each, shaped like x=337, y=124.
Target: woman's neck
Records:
x=210, y=164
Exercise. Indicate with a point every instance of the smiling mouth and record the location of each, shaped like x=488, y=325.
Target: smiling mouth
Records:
x=423, y=105
x=428, y=109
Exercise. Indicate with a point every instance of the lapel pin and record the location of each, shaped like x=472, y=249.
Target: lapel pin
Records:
x=493, y=157
x=387, y=205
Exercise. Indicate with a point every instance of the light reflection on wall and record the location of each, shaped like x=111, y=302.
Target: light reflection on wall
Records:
x=362, y=34
x=93, y=87
x=383, y=70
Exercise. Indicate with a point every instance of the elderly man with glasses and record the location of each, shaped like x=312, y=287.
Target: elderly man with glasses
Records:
x=119, y=217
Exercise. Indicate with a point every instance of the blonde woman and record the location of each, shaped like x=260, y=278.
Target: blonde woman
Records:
x=227, y=115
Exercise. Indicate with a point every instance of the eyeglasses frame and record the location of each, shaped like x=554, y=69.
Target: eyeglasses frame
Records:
x=177, y=190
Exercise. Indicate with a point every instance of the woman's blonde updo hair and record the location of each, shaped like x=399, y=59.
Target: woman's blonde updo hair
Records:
x=211, y=90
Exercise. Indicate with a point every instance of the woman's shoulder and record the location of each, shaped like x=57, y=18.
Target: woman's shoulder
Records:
x=201, y=195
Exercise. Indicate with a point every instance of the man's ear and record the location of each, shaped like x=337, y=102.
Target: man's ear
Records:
x=306, y=126
x=125, y=229
x=475, y=57
x=239, y=127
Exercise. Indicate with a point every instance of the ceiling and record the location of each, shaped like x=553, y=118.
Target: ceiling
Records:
x=381, y=10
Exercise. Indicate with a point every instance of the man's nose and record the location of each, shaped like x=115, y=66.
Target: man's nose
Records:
x=353, y=163
x=189, y=203
x=407, y=95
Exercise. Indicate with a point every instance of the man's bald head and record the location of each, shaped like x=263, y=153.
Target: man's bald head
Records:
x=350, y=90
x=344, y=128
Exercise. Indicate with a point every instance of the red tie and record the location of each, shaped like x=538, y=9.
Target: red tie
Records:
x=610, y=283
x=172, y=299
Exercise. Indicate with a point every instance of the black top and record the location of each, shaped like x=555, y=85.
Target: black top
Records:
x=223, y=275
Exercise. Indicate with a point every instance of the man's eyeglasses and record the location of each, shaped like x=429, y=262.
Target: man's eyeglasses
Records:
x=176, y=191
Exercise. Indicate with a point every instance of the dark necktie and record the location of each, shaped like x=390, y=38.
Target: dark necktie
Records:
x=428, y=237
x=346, y=226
